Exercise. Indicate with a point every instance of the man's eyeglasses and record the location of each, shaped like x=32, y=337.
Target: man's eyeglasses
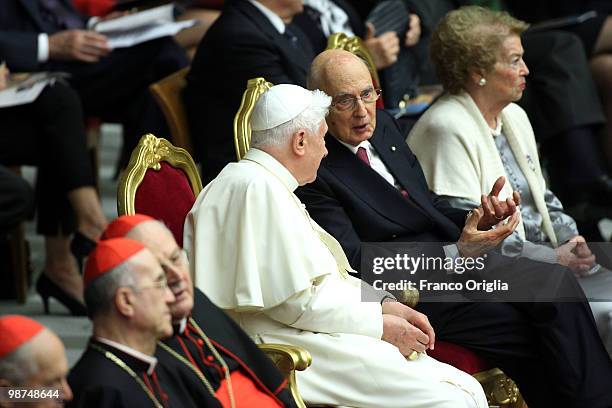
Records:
x=161, y=283
x=349, y=102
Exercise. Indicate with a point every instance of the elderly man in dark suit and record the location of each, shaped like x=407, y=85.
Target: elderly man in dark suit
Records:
x=50, y=35
x=370, y=188
x=250, y=39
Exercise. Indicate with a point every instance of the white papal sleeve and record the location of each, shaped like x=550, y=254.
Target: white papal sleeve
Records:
x=330, y=305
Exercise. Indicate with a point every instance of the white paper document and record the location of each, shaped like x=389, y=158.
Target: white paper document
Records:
x=123, y=39
x=27, y=90
x=161, y=14
x=143, y=26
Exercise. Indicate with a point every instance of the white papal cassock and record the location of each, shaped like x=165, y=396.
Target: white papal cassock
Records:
x=259, y=256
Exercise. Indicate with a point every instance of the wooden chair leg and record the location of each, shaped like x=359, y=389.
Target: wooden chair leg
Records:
x=19, y=261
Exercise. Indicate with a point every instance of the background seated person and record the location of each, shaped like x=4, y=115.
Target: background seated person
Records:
x=250, y=39
x=187, y=38
x=595, y=34
x=49, y=133
x=50, y=35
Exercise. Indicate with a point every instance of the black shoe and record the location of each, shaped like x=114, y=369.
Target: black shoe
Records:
x=81, y=246
x=46, y=288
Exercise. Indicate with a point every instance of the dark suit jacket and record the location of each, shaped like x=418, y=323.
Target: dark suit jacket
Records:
x=355, y=204
x=311, y=26
x=242, y=44
x=237, y=347
x=20, y=24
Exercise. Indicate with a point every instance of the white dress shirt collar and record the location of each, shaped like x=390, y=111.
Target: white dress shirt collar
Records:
x=275, y=20
x=182, y=325
x=365, y=144
x=376, y=162
x=150, y=360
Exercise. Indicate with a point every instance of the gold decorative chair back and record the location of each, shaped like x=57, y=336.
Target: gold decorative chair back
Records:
x=242, y=122
x=150, y=152
x=354, y=45
x=168, y=94
x=162, y=181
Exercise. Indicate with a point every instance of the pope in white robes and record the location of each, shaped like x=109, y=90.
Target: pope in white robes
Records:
x=258, y=255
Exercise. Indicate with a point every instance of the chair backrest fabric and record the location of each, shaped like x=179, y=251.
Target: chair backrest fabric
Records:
x=162, y=181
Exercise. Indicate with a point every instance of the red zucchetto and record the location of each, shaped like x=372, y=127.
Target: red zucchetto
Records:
x=122, y=225
x=109, y=254
x=15, y=331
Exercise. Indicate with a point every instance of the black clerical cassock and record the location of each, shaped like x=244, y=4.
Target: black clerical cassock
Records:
x=212, y=341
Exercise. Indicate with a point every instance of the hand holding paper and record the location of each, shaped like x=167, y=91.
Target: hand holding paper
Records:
x=143, y=26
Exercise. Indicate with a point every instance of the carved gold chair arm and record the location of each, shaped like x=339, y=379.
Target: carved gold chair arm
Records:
x=288, y=359
x=500, y=390
x=409, y=297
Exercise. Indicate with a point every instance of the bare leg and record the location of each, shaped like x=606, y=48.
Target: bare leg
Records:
x=61, y=267
x=90, y=218
x=604, y=40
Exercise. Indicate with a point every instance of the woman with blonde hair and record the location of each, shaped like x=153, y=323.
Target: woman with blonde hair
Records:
x=475, y=133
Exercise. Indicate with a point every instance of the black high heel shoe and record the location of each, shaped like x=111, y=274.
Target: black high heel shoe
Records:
x=81, y=246
x=46, y=288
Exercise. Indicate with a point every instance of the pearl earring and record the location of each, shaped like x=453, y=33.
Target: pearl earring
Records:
x=482, y=81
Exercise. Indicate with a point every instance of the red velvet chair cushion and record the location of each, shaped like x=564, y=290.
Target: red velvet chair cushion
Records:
x=167, y=196
x=459, y=357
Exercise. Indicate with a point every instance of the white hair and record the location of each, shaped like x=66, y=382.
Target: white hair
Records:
x=18, y=366
x=310, y=119
x=100, y=293
x=136, y=233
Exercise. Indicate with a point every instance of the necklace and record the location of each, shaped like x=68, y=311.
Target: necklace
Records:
x=215, y=353
x=201, y=376
x=127, y=369
x=197, y=372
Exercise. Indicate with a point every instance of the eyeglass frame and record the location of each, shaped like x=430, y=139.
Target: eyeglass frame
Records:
x=354, y=99
x=160, y=283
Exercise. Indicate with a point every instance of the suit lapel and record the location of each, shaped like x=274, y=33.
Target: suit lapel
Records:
x=395, y=156
x=376, y=192
x=31, y=7
x=301, y=56
x=368, y=185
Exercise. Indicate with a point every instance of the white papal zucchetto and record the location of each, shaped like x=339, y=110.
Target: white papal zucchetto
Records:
x=279, y=105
